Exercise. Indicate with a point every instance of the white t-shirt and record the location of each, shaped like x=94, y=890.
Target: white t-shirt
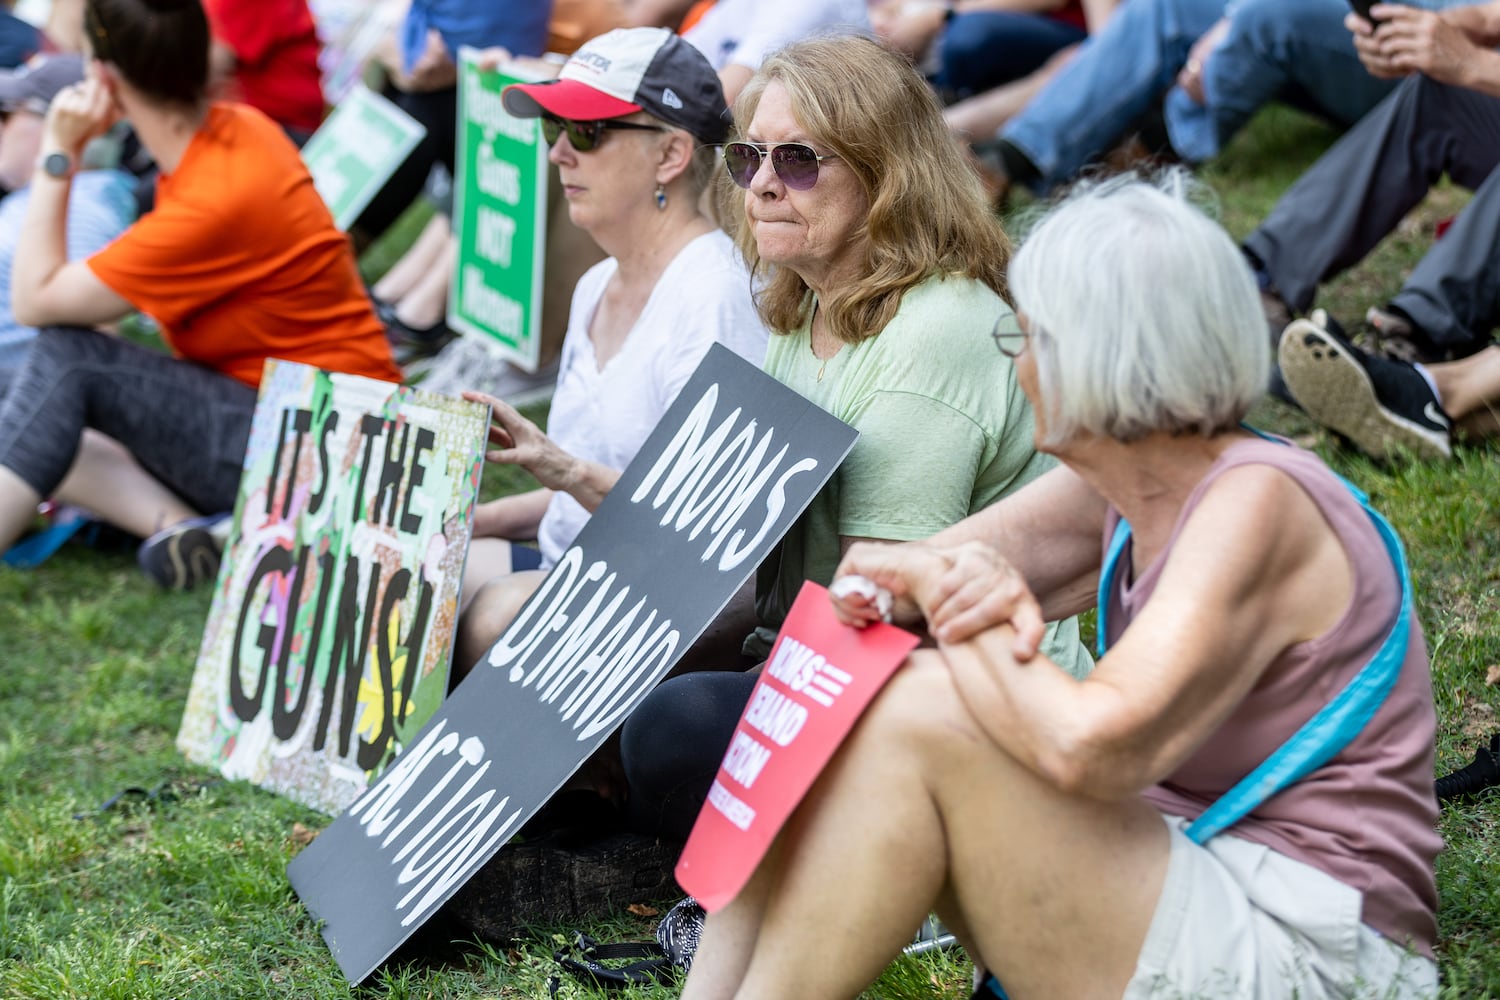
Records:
x=605, y=416
x=744, y=32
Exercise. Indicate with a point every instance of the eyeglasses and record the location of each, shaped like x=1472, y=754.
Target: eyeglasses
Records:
x=585, y=136
x=796, y=163
x=1004, y=339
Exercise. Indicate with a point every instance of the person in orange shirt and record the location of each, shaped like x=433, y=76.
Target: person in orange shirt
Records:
x=239, y=262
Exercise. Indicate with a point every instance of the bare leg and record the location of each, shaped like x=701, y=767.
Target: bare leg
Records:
x=426, y=302
x=107, y=481
x=1470, y=391
x=920, y=795
x=416, y=262
x=491, y=610
x=17, y=507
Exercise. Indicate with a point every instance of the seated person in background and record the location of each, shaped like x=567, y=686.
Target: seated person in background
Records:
x=737, y=35
x=983, y=110
x=265, y=54
x=967, y=47
x=1205, y=66
x=633, y=167
x=1245, y=587
x=230, y=284
x=882, y=278
x=412, y=296
x=1443, y=119
x=420, y=64
x=100, y=207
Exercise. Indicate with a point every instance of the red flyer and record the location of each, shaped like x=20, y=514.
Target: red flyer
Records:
x=819, y=678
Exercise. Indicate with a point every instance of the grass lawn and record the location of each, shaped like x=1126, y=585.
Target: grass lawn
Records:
x=178, y=890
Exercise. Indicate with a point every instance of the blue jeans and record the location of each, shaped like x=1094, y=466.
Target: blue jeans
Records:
x=1274, y=48
x=983, y=50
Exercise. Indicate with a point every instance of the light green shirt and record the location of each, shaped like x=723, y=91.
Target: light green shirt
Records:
x=944, y=430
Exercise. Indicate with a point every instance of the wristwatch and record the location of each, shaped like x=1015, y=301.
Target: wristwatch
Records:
x=59, y=165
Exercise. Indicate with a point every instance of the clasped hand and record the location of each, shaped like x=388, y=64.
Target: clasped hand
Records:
x=1405, y=40
x=960, y=590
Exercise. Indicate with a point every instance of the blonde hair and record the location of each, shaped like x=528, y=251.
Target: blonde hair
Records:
x=927, y=211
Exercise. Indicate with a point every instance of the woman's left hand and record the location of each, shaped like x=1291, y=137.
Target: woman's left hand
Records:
x=79, y=113
x=523, y=443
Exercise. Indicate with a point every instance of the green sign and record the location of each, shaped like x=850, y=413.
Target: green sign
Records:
x=356, y=149
x=499, y=214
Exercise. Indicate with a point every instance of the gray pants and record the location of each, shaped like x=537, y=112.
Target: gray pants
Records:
x=1361, y=188
x=185, y=424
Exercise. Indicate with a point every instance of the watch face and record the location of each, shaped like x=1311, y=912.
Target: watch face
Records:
x=57, y=165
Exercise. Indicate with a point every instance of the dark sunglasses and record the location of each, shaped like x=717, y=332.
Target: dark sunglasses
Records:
x=585, y=136
x=796, y=163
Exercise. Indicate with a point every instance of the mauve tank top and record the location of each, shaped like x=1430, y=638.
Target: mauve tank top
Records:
x=1367, y=817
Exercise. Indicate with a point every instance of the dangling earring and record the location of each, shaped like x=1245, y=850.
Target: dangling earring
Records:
x=661, y=198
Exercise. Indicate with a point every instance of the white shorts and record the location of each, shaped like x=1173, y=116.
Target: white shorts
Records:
x=1237, y=919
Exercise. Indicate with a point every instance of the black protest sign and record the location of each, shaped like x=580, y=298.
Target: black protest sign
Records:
x=728, y=470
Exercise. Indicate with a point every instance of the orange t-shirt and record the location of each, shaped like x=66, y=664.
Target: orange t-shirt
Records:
x=240, y=260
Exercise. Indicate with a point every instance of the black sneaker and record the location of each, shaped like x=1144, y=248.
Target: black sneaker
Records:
x=1381, y=406
x=182, y=556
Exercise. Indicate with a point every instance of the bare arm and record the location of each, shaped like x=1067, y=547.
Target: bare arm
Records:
x=514, y=518
x=1032, y=557
x=1254, y=571
x=46, y=288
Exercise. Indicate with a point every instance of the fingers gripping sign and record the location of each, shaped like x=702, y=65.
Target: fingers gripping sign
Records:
x=520, y=442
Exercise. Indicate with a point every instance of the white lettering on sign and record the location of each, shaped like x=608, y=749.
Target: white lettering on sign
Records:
x=745, y=759
x=709, y=479
x=602, y=661
x=488, y=307
x=485, y=109
x=457, y=833
x=806, y=671
x=497, y=178
x=495, y=237
x=734, y=810
x=774, y=714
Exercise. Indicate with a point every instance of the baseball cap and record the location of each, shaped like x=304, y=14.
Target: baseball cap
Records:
x=629, y=70
x=32, y=85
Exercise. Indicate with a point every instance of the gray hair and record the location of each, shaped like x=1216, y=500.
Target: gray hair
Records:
x=1144, y=314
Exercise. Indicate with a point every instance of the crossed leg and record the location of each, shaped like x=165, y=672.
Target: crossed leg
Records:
x=920, y=809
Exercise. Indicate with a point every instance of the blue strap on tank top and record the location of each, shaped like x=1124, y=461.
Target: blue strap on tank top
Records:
x=1331, y=729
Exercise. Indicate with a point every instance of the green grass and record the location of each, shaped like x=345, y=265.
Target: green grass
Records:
x=183, y=894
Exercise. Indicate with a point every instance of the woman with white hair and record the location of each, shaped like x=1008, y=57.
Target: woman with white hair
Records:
x=1099, y=837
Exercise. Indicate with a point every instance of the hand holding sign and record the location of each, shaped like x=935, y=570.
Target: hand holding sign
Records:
x=819, y=678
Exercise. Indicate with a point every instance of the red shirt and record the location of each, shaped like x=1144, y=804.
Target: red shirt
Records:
x=276, y=47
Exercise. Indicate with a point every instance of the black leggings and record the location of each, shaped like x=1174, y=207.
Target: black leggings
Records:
x=672, y=744
x=185, y=424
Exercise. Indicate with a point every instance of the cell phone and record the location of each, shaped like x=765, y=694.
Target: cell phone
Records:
x=1362, y=8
